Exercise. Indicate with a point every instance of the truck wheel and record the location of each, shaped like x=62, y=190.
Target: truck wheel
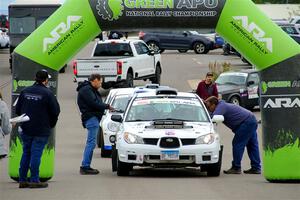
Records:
x=156, y=79
x=200, y=48
x=129, y=80
x=123, y=169
x=104, y=153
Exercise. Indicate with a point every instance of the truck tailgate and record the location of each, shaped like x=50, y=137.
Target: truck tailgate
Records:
x=91, y=66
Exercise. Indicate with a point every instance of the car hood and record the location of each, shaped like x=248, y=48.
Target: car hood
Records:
x=228, y=88
x=147, y=130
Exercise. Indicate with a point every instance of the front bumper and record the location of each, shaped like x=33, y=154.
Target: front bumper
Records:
x=189, y=155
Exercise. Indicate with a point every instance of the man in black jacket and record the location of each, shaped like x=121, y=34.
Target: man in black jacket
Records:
x=92, y=108
x=41, y=106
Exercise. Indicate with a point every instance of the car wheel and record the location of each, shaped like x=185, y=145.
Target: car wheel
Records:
x=182, y=50
x=114, y=158
x=213, y=170
x=153, y=46
x=123, y=169
x=200, y=48
x=156, y=79
x=129, y=79
x=104, y=153
x=235, y=100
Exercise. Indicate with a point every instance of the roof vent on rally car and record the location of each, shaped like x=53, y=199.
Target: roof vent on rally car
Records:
x=169, y=91
x=152, y=86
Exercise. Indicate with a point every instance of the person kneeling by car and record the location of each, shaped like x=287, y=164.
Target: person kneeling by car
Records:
x=243, y=124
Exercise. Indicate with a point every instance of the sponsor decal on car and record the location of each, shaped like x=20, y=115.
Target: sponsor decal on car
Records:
x=285, y=102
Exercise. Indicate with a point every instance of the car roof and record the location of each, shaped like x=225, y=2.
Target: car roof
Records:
x=153, y=94
x=242, y=71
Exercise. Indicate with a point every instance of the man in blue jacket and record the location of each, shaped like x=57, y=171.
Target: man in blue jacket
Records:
x=92, y=108
x=243, y=124
x=41, y=106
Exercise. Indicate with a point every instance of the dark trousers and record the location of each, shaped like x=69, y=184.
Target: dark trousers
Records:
x=246, y=136
x=33, y=147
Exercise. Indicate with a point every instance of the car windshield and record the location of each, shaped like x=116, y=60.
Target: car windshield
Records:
x=120, y=102
x=158, y=108
x=235, y=79
x=113, y=49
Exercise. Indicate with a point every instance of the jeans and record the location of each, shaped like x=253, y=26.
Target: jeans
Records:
x=33, y=147
x=246, y=136
x=92, y=126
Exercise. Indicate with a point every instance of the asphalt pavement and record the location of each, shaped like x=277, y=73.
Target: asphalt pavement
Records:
x=181, y=71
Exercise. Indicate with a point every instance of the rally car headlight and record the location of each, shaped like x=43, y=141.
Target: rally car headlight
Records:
x=132, y=138
x=114, y=127
x=206, y=139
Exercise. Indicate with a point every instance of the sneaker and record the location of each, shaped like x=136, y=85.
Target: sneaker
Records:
x=252, y=171
x=233, y=170
x=38, y=185
x=23, y=185
x=88, y=171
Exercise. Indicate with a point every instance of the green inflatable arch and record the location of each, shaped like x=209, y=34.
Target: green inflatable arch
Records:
x=240, y=22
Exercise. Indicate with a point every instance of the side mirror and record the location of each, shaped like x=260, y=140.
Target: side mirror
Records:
x=151, y=53
x=117, y=118
x=250, y=83
x=185, y=34
x=218, y=118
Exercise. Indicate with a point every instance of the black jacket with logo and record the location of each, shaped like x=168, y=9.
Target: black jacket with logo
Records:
x=41, y=106
x=90, y=102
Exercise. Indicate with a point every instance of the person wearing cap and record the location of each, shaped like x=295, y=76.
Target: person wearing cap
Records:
x=207, y=88
x=243, y=124
x=42, y=108
x=91, y=106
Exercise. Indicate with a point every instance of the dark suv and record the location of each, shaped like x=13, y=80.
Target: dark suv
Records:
x=240, y=88
x=176, y=40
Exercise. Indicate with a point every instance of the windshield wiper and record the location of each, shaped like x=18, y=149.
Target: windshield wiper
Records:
x=175, y=119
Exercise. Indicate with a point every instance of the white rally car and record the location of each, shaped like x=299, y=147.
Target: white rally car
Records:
x=166, y=128
x=118, y=99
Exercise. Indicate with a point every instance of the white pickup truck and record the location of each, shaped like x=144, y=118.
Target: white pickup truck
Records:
x=120, y=61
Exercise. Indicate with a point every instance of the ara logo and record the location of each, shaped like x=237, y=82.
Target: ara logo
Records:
x=256, y=31
x=59, y=30
x=282, y=103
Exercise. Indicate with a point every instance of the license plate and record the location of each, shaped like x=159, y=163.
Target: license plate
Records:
x=169, y=155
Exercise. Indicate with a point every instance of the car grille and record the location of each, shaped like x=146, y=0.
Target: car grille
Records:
x=188, y=141
x=150, y=141
x=169, y=142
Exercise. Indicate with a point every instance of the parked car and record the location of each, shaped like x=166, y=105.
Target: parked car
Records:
x=120, y=61
x=118, y=99
x=4, y=39
x=177, y=40
x=240, y=88
x=166, y=128
x=292, y=31
x=214, y=37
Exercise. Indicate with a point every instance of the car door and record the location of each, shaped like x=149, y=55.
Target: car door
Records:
x=180, y=40
x=145, y=62
x=165, y=39
x=252, y=88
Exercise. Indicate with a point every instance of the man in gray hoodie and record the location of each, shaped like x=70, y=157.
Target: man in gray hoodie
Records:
x=5, y=126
